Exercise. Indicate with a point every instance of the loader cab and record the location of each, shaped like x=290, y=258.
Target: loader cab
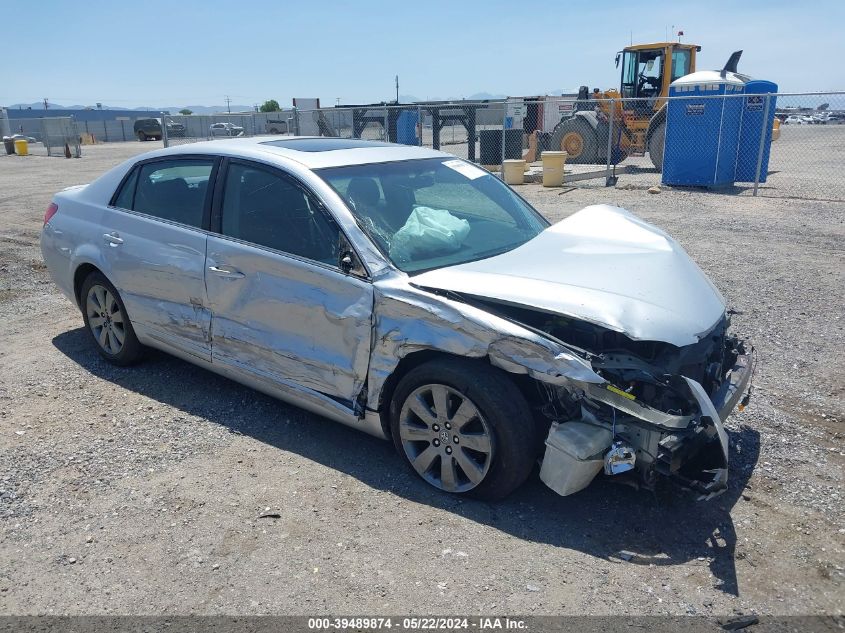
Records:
x=648, y=69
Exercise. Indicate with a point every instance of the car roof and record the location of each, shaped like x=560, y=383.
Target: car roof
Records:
x=314, y=152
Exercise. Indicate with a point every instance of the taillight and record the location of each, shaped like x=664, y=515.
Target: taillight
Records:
x=50, y=212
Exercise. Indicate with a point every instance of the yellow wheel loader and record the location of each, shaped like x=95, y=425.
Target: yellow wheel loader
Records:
x=639, y=119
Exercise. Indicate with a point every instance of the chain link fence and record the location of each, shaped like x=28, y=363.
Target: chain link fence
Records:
x=48, y=136
x=778, y=145
x=191, y=128
x=453, y=127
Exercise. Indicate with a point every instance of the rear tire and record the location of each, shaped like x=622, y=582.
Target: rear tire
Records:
x=142, y=137
x=479, y=442
x=107, y=322
x=656, y=145
x=578, y=139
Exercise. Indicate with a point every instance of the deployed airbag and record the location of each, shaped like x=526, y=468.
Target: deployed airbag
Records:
x=428, y=231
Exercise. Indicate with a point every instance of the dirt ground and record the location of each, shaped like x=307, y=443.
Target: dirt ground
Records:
x=140, y=491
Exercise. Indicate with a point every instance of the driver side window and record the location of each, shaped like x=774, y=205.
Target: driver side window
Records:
x=264, y=207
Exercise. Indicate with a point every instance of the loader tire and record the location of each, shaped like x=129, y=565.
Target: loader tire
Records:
x=655, y=145
x=578, y=139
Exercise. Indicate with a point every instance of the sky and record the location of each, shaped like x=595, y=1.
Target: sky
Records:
x=183, y=52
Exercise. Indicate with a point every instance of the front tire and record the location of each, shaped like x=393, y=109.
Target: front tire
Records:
x=142, y=137
x=107, y=322
x=578, y=139
x=464, y=428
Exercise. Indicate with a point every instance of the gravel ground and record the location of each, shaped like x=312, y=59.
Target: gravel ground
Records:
x=143, y=490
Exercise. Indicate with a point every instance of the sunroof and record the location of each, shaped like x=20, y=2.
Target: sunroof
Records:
x=324, y=144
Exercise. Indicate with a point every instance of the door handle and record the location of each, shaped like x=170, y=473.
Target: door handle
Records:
x=113, y=239
x=225, y=273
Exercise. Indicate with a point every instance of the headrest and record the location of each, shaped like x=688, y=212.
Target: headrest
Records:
x=364, y=191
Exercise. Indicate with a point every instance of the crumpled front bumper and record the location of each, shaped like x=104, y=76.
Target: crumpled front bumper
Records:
x=699, y=460
x=690, y=448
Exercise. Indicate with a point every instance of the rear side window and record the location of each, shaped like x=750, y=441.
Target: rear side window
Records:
x=127, y=191
x=172, y=190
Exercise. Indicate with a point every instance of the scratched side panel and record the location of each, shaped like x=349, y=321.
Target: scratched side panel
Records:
x=408, y=320
x=159, y=272
x=289, y=320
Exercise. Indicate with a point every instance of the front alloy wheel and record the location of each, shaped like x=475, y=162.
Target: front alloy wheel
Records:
x=445, y=438
x=463, y=427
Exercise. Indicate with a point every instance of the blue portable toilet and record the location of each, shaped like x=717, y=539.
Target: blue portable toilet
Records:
x=406, y=128
x=702, y=133
x=755, y=107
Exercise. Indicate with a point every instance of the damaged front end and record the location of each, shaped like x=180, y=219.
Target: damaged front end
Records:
x=660, y=412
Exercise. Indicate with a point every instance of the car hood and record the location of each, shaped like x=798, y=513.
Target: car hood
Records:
x=603, y=265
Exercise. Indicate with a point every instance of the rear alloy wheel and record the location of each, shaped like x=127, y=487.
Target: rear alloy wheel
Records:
x=464, y=428
x=107, y=323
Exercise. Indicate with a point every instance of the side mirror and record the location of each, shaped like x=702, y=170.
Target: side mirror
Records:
x=617, y=60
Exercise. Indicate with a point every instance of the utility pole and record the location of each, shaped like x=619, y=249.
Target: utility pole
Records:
x=46, y=105
x=228, y=104
x=397, y=89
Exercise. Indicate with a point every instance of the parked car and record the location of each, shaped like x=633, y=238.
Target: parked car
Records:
x=175, y=130
x=794, y=119
x=150, y=129
x=276, y=126
x=225, y=129
x=416, y=297
x=24, y=137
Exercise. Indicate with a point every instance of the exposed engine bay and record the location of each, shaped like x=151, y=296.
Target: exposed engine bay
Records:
x=659, y=413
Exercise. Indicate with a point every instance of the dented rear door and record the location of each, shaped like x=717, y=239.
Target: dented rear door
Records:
x=154, y=246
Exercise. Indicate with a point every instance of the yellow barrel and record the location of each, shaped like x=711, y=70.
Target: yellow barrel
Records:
x=514, y=171
x=553, y=168
x=21, y=147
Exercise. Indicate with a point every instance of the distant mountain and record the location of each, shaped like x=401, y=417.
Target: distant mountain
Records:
x=196, y=109
x=218, y=109
x=39, y=105
x=199, y=109
x=484, y=96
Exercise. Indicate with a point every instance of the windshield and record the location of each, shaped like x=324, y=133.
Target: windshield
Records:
x=436, y=212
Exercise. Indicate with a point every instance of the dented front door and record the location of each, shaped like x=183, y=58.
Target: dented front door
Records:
x=288, y=320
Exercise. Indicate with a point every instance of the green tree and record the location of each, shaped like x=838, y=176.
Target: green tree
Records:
x=185, y=111
x=270, y=106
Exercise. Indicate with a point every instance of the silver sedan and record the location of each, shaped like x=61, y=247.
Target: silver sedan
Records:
x=414, y=296
x=225, y=129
